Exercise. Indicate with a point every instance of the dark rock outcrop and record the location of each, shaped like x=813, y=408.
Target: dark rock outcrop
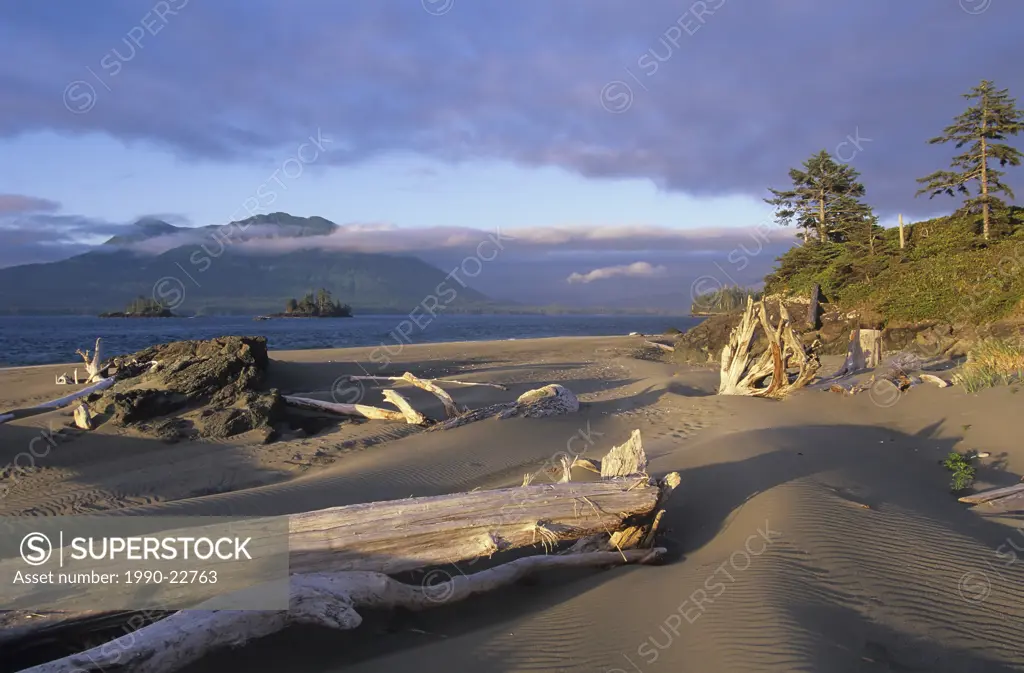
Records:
x=197, y=389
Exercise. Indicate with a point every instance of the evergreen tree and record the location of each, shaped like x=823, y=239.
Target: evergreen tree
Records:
x=824, y=201
x=983, y=126
x=292, y=306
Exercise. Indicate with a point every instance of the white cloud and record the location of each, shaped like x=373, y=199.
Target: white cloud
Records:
x=634, y=270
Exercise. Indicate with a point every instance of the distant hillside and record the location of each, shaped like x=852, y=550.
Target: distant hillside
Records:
x=281, y=224
x=234, y=282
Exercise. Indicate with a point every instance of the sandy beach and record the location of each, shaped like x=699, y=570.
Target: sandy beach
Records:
x=813, y=534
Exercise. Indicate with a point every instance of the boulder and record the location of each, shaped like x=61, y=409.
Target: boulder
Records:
x=199, y=389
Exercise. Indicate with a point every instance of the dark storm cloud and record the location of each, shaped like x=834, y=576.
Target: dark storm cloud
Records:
x=723, y=96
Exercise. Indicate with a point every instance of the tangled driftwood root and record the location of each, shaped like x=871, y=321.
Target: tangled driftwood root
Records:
x=744, y=374
x=342, y=557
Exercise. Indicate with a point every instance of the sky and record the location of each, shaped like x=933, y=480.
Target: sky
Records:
x=574, y=115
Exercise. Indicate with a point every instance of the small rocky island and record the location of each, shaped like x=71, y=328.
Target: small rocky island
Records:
x=142, y=307
x=320, y=305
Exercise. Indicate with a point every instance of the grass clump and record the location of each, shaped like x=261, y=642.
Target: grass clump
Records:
x=963, y=471
x=992, y=362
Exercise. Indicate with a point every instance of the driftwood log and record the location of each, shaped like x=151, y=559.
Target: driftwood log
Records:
x=409, y=377
x=998, y=497
x=655, y=344
x=549, y=400
x=60, y=402
x=744, y=374
x=340, y=557
x=329, y=600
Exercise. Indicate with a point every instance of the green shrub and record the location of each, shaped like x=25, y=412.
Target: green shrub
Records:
x=963, y=471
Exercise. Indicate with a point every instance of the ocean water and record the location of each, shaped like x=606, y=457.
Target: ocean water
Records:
x=33, y=340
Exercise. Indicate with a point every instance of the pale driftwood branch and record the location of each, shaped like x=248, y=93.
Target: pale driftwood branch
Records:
x=450, y=410
x=103, y=384
x=993, y=494
x=362, y=410
x=412, y=417
x=93, y=365
x=323, y=599
x=655, y=344
x=473, y=383
x=407, y=374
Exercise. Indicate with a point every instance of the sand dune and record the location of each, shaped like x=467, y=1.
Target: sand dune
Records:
x=814, y=534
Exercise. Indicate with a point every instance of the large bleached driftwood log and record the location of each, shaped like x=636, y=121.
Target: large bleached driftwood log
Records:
x=328, y=600
x=357, y=544
x=743, y=374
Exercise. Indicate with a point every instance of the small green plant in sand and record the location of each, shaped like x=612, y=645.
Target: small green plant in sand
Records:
x=963, y=471
x=992, y=362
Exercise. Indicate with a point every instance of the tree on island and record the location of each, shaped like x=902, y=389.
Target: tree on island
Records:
x=318, y=305
x=824, y=201
x=983, y=125
x=144, y=307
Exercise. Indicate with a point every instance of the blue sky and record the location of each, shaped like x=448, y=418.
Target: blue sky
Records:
x=482, y=114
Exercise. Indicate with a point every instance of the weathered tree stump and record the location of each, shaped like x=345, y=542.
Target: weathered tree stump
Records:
x=743, y=374
x=864, y=351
